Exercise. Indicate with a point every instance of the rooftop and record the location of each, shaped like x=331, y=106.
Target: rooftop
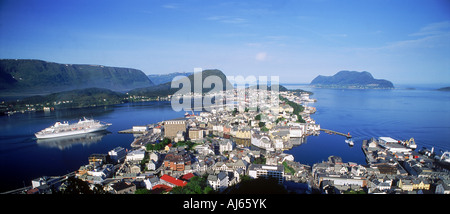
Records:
x=173, y=180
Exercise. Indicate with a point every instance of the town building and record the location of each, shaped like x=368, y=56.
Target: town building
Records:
x=171, y=181
x=267, y=171
x=117, y=155
x=140, y=128
x=177, y=161
x=225, y=146
x=173, y=127
x=218, y=182
x=123, y=187
x=135, y=155
x=195, y=134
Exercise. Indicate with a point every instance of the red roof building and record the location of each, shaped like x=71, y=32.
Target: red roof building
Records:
x=187, y=177
x=158, y=189
x=171, y=181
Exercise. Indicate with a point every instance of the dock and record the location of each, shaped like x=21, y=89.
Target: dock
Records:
x=335, y=132
x=130, y=131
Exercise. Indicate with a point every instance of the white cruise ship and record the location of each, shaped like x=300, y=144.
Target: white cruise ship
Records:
x=65, y=129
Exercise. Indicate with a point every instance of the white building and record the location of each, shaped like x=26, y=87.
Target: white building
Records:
x=140, y=128
x=135, y=155
x=218, y=182
x=261, y=141
x=266, y=171
x=295, y=131
x=117, y=154
x=151, y=165
x=226, y=145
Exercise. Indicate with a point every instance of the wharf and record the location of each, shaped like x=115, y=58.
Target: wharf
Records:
x=145, y=139
x=335, y=132
x=130, y=131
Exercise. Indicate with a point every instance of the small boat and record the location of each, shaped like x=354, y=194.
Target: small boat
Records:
x=349, y=141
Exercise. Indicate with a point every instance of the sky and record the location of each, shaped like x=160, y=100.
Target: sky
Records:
x=404, y=41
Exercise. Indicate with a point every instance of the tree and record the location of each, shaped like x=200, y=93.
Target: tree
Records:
x=142, y=191
x=261, y=124
x=158, y=146
x=257, y=186
x=77, y=186
x=196, y=185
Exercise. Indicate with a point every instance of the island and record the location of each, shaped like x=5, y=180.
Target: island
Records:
x=351, y=79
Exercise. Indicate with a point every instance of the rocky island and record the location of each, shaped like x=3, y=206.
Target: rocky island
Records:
x=351, y=79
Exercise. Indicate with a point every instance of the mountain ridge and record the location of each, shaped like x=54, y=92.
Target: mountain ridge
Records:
x=164, y=78
x=30, y=75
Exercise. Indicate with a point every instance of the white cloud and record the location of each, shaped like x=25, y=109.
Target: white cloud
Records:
x=171, y=6
x=261, y=56
x=433, y=29
x=434, y=35
x=227, y=19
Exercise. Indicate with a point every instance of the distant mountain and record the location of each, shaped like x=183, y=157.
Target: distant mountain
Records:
x=164, y=78
x=444, y=89
x=29, y=76
x=351, y=79
x=165, y=88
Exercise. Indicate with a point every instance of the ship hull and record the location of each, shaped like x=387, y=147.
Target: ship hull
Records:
x=71, y=133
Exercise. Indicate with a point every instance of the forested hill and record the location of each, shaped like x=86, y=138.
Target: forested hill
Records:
x=31, y=76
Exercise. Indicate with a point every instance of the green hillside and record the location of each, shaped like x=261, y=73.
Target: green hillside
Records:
x=29, y=76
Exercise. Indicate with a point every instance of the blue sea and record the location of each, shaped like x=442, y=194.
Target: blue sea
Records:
x=422, y=114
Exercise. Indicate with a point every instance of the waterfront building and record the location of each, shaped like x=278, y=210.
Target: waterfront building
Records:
x=261, y=141
x=97, y=159
x=117, y=154
x=140, y=128
x=295, y=131
x=43, y=181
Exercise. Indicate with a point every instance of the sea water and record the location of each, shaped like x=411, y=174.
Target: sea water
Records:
x=422, y=114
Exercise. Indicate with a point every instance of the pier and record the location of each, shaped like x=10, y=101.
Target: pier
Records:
x=130, y=131
x=335, y=132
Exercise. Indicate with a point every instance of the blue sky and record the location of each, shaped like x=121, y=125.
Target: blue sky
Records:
x=402, y=41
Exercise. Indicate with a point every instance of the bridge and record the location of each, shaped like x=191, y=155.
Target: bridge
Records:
x=335, y=132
